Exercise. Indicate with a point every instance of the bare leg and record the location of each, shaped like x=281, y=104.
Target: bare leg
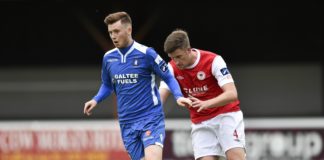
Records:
x=153, y=152
x=209, y=158
x=235, y=154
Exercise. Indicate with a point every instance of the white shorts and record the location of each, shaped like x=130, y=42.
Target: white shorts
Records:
x=219, y=134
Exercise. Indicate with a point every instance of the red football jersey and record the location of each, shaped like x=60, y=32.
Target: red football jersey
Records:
x=203, y=80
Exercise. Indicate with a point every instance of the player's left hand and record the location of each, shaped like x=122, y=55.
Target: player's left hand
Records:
x=185, y=102
x=88, y=106
x=197, y=103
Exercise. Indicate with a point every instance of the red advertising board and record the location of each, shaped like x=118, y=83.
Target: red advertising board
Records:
x=291, y=139
x=61, y=141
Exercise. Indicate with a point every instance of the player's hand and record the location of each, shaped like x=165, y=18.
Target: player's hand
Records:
x=88, y=106
x=185, y=102
x=197, y=103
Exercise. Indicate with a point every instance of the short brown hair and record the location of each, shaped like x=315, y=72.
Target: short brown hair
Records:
x=114, y=17
x=178, y=39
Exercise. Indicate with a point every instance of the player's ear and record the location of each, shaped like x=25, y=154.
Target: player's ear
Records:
x=188, y=50
x=129, y=30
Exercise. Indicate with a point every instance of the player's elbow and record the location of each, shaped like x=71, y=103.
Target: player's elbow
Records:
x=232, y=96
x=164, y=93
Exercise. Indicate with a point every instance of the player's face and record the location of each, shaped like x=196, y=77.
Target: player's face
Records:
x=120, y=34
x=181, y=57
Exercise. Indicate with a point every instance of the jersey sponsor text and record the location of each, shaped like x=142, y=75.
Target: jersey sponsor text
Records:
x=196, y=90
x=126, y=78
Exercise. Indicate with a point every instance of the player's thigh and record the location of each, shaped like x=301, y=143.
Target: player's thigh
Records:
x=205, y=142
x=231, y=133
x=134, y=148
x=153, y=152
x=153, y=135
x=132, y=142
x=203, y=137
x=209, y=158
x=237, y=153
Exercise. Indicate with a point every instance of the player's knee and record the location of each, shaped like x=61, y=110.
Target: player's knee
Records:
x=235, y=157
x=209, y=158
x=153, y=152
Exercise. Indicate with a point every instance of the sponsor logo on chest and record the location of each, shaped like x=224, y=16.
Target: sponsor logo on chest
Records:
x=135, y=62
x=125, y=78
x=196, y=90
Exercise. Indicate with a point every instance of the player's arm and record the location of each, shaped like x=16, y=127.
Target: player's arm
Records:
x=229, y=95
x=160, y=67
x=164, y=91
x=104, y=91
x=225, y=80
x=175, y=89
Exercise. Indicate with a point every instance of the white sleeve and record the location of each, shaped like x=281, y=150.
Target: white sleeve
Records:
x=162, y=83
x=220, y=71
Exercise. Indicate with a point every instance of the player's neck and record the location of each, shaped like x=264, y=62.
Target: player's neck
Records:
x=128, y=46
x=130, y=42
x=194, y=56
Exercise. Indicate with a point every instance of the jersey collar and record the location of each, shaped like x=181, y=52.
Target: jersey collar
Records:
x=197, y=60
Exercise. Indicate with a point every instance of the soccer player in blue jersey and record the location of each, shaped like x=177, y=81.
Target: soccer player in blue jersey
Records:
x=129, y=70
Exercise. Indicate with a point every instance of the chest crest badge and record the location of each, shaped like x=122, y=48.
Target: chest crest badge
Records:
x=135, y=62
x=201, y=75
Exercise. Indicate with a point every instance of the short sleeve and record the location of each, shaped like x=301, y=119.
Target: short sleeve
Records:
x=220, y=71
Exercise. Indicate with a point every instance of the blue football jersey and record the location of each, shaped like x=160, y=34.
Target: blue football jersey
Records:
x=132, y=77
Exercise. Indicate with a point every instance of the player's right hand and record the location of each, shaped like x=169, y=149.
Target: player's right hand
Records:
x=88, y=106
x=185, y=102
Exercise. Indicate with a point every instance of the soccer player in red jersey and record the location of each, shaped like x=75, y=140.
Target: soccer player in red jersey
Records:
x=217, y=121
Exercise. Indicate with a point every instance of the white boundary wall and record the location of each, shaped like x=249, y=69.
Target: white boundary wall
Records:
x=171, y=124
x=266, y=138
